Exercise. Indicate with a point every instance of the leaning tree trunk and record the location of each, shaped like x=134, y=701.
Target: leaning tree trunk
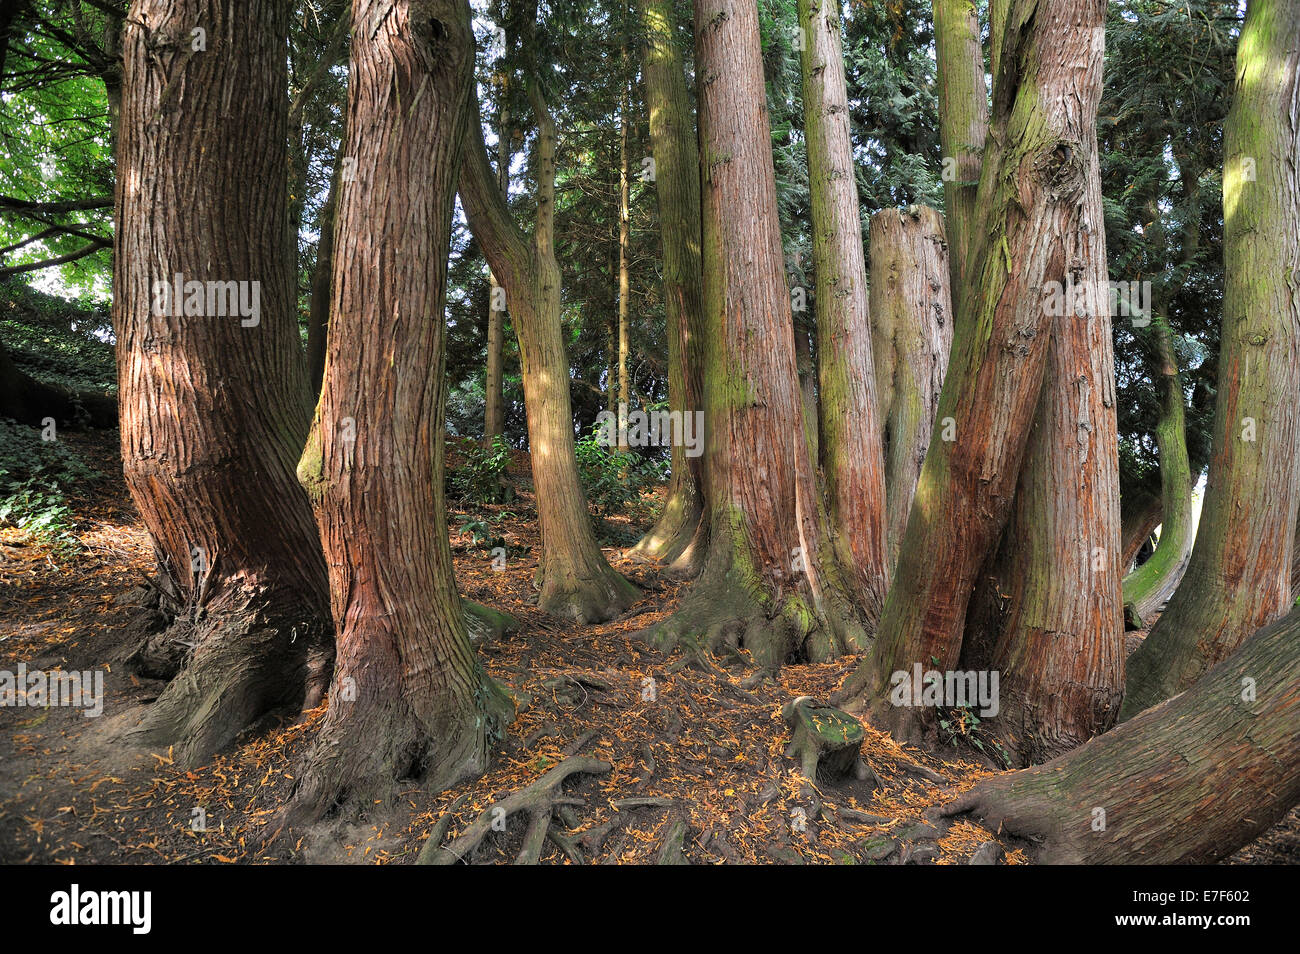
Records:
x=1238, y=578
x=678, y=536
x=1033, y=200
x=409, y=698
x=214, y=405
x=576, y=582
x=963, y=126
x=1147, y=587
x=911, y=337
x=1187, y=782
x=1060, y=648
x=850, y=434
x=770, y=581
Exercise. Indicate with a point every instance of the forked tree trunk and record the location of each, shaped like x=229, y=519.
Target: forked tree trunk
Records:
x=1033, y=207
x=575, y=581
x=770, y=582
x=851, y=452
x=911, y=338
x=678, y=537
x=214, y=405
x=963, y=126
x=1238, y=578
x=1187, y=782
x=1147, y=587
x=409, y=699
x=1060, y=649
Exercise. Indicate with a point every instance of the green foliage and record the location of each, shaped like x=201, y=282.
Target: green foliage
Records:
x=34, y=477
x=57, y=341
x=615, y=481
x=480, y=478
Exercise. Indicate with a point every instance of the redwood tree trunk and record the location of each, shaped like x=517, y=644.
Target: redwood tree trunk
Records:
x=575, y=581
x=770, y=583
x=408, y=698
x=674, y=538
x=911, y=338
x=850, y=434
x=1034, y=206
x=1238, y=578
x=1187, y=782
x=214, y=409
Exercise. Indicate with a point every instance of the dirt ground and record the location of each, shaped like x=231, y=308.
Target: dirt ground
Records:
x=693, y=752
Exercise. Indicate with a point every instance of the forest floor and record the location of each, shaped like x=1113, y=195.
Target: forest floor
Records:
x=700, y=754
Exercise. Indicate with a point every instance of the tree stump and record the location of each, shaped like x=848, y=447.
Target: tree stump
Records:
x=827, y=741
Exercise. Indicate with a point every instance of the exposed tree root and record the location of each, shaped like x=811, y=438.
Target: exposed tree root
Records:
x=596, y=597
x=721, y=615
x=538, y=799
x=376, y=736
x=241, y=658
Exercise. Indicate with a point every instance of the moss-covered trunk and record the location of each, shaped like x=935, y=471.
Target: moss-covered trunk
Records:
x=679, y=537
x=1034, y=206
x=1147, y=587
x=963, y=125
x=1187, y=782
x=1238, y=578
x=911, y=338
x=850, y=434
x=409, y=699
x=213, y=388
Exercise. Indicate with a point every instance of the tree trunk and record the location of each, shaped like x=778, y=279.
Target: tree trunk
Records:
x=1034, y=206
x=1150, y=585
x=408, y=698
x=911, y=338
x=770, y=582
x=214, y=406
x=1238, y=578
x=494, y=410
x=963, y=126
x=674, y=539
x=318, y=319
x=851, y=452
x=1139, y=515
x=1187, y=782
x=1060, y=651
x=575, y=581
x=624, y=284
